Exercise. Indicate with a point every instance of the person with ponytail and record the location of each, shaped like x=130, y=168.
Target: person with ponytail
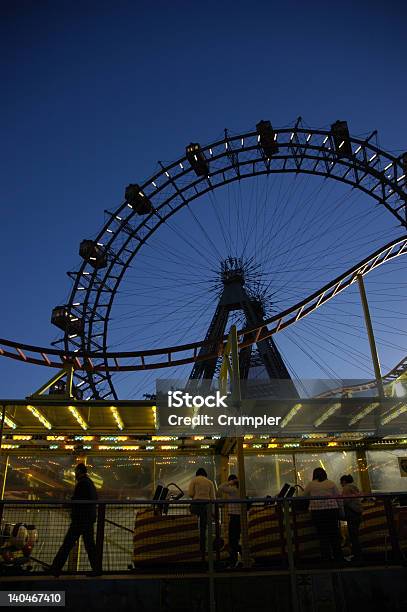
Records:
x=202, y=490
x=353, y=513
x=325, y=514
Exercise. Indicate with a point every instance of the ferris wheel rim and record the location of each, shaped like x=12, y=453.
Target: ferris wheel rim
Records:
x=297, y=150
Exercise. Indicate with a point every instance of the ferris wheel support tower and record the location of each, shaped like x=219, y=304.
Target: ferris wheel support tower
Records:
x=235, y=297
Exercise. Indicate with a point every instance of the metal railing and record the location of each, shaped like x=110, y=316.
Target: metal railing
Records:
x=155, y=537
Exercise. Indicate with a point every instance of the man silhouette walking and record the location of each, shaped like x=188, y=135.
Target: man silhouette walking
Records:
x=83, y=518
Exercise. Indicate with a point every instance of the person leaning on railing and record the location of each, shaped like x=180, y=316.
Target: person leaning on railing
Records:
x=325, y=514
x=230, y=490
x=201, y=488
x=353, y=514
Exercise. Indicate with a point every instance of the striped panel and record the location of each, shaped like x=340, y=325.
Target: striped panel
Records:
x=165, y=539
x=374, y=532
x=400, y=517
x=265, y=535
x=306, y=543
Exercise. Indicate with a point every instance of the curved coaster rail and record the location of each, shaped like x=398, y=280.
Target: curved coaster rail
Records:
x=170, y=356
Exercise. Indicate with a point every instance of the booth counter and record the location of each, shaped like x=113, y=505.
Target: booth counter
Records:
x=161, y=539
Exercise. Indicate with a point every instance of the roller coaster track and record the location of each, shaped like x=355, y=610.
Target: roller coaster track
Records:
x=189, y=353
x=395, y=374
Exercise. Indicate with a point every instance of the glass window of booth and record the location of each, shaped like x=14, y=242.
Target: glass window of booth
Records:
x=265, y=474
x=384, y=470
x=123, y=477
x=36, y=477
x=335, y=463
x=181, y=469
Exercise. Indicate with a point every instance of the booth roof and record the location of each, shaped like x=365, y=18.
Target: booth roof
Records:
x=72, y=416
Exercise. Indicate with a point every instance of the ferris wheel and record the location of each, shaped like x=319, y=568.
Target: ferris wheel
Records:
x=267, y=229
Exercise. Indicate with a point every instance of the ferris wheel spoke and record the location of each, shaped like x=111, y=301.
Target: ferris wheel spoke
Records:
x=321, y=365
x=177, y=256
x=342, y=262
x=324, y=231
x=356, y=363
x=174, y=311
x=384, y=342
x=204, y=253
x=217, y=209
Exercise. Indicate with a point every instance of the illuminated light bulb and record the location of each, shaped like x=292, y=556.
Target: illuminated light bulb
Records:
x=154, y=409
x=39, y=416
x=117, y=417
x=9, y=422
x=327, y=414
x=78, y=417
x=360, y=415
x=291, y=414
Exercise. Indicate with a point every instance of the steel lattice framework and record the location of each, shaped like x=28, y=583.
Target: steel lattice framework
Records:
x=365, y=167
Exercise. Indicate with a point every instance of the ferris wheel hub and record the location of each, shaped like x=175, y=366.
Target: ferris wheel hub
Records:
x=233, y=271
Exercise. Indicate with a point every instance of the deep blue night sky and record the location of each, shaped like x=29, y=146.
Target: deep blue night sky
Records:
x=94, y=93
